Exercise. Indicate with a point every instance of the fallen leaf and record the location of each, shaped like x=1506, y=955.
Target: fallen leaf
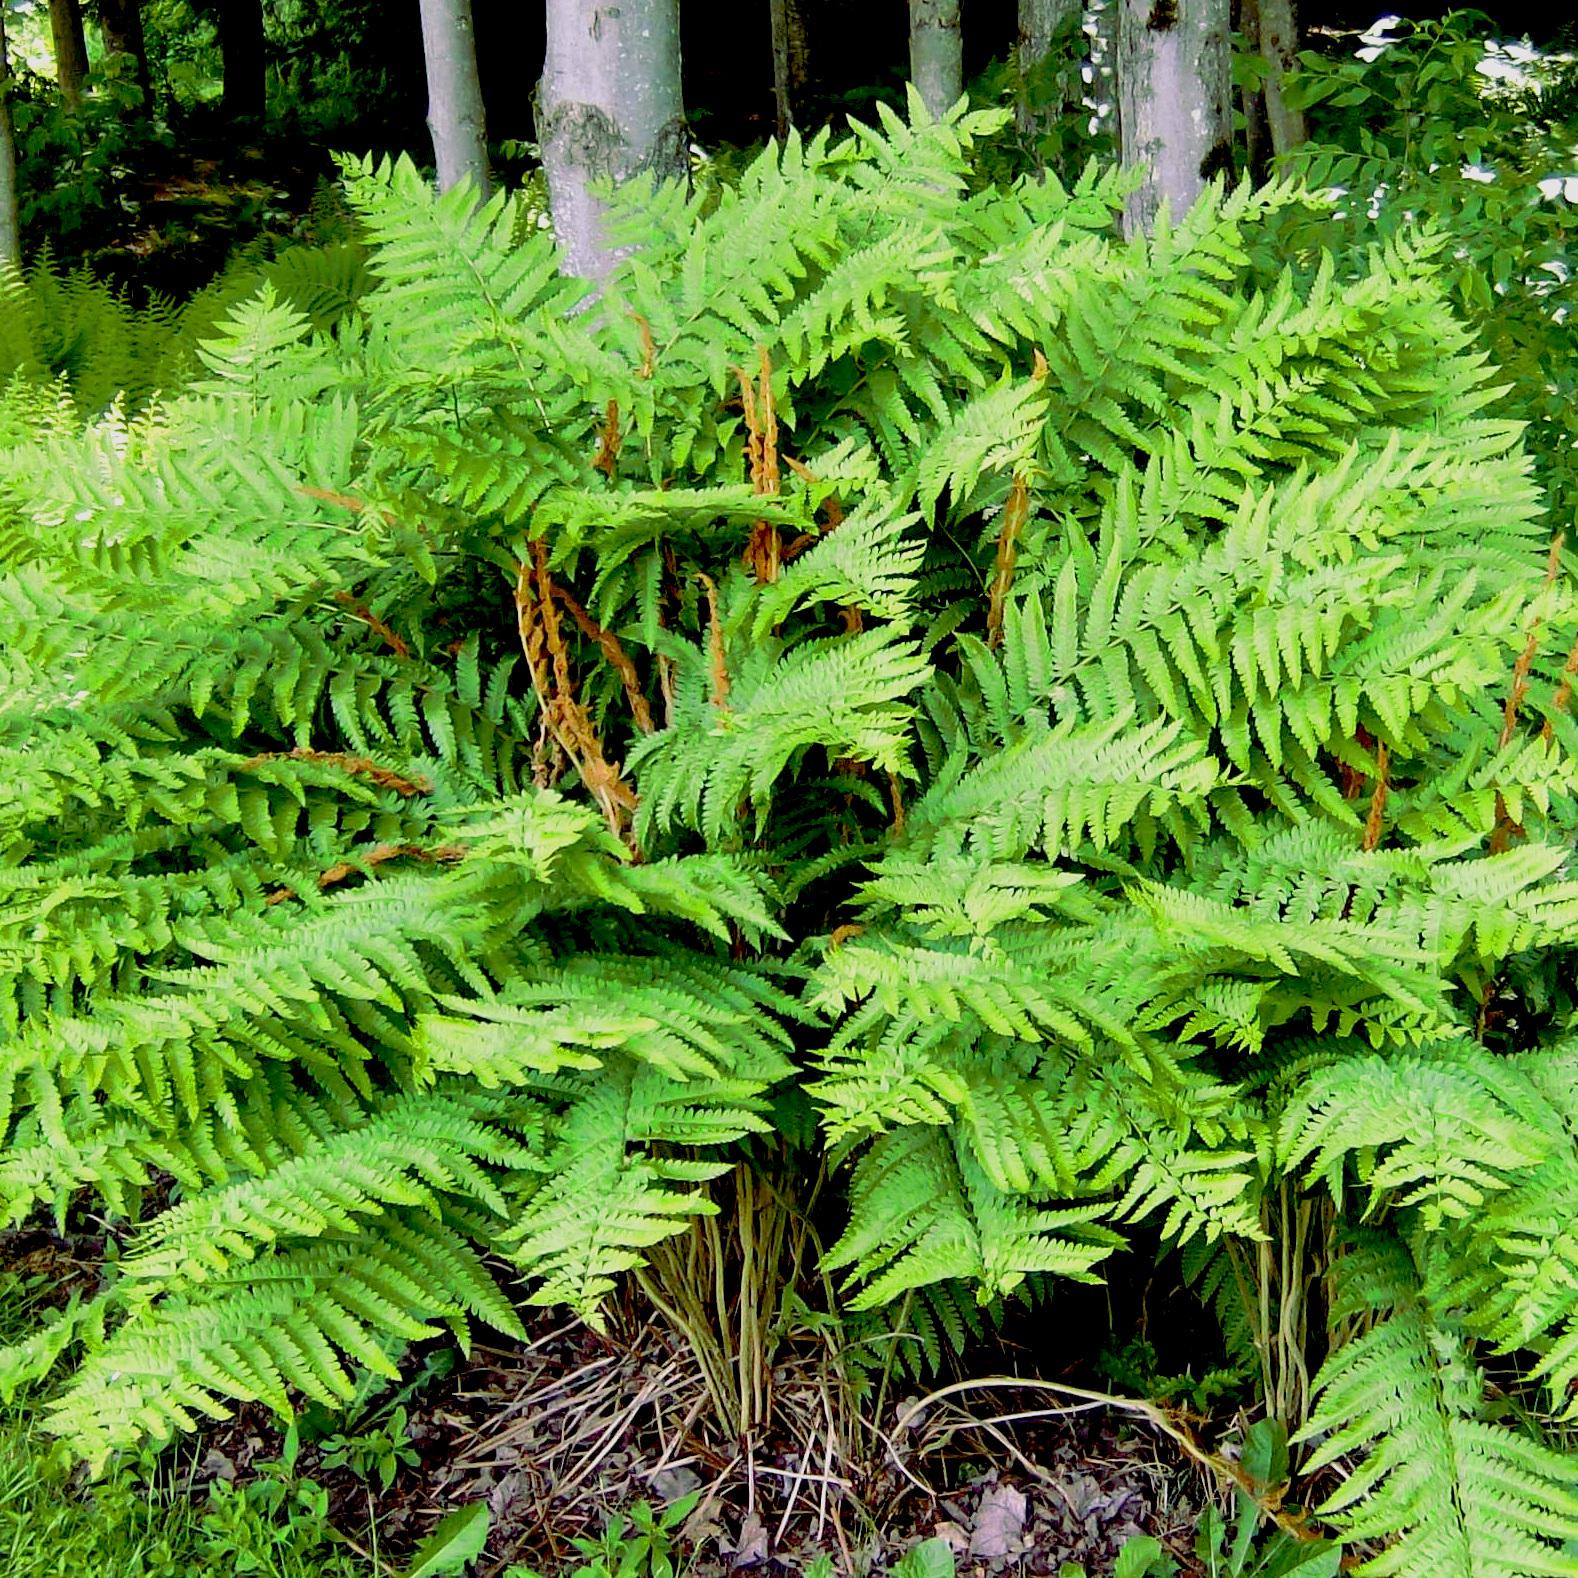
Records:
x=999, y=1523
x=750, y=1550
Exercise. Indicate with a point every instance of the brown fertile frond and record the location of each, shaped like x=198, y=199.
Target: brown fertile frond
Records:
x=1374, y=823
x=1520, y=669
x=1016, y=511
x=608, y=439
x=896, y=799
x=1505, y=828
x=548, y=661
x=357, y=766
x=346, y=501
x=720, y=668
x=648, y=347
x=379, y=854
x=1563, y=691
x=618, y=658
x=391, y=638
x=763, y=553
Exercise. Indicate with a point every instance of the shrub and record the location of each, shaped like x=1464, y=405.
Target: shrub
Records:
x=1092, y=714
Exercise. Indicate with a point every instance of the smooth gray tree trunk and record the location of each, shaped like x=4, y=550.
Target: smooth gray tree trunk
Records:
x=1279, y=45
x=71, y=49
x=454, y=95
x=791, y=60
x=1041, y=21
x=936, y=53
x=1174, y=105
x=10, y=201
x=610, y=108
x=120, y=28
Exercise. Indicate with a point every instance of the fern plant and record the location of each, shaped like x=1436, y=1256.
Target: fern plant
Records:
x=1092, y=714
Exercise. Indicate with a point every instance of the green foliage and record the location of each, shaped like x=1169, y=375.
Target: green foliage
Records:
x=75, y=166
x=1444, y=122
x=1046, y=697
x=133, y=1524
x=641, y=1543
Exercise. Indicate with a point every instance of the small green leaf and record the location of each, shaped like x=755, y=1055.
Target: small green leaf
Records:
x=1265, y=1455
x=1143, y=1557
x=455, y=1544
x=930, y=1559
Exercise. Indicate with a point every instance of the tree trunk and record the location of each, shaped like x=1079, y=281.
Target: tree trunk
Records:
x=240, y=24
x=610, y=107
x=1279, y=45
x=1174, y=109
x=791, y=59
x=454, y=95
x=120, y=29
x=1040, y=22
x=1252, y=100
x=10, y=203
x=71, y=49
x=936, y=54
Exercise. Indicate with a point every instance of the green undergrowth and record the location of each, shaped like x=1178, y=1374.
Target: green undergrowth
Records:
x=148, y=1521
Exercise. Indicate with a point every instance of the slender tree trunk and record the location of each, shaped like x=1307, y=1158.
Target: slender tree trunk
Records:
x=10, y=202
x=610, y=107
x=936, y=53
x=1174, y=105
x=1279, y=44
x=454, y=95
x=71, y=49
x=242, y=60
x=120, y=29
x=791, y=59
x=1040, y=22
x=1252, y=100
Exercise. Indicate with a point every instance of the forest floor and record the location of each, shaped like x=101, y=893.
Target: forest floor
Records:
x=559, y=1434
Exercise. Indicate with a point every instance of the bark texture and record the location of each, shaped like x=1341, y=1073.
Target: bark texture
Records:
x=10, y=204
x=71, y=49
x=1174, y=104
x=610, y=108
x=791, y=60
x=120, y=28
x=936, y=53
x=1041, y=21
x=1279, y=45
x=454, y=95
x=240, y=24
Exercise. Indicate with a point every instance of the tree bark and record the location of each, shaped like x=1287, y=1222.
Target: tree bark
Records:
x=1279, y=45
x=1174, y=104
x=240, y=25
x=10, y=202
x=455, y=115
x=791, y=59
x=936, y=54
x=610, y=108
x=120, y=29
x=71, y=49
x=1040, y=22
x=1252, y=100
